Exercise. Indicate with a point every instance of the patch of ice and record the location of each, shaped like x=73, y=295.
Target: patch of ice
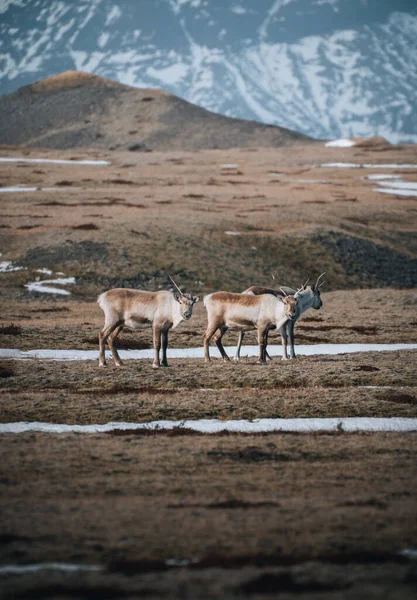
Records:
x=396, y=191
x=17, y=188
x=409, y=553
x=238, y=426
x=56, y=161
x=229, y=166
x=6, y=266
x=342, y=143
x=406, y=185
x=43, y=287
x=52, y=566
x=366, y=166
x=274, y=350
x=378, y=177
x=232, y=232
x=44, y=271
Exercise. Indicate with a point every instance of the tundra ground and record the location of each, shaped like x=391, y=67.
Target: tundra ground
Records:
x=181, y=515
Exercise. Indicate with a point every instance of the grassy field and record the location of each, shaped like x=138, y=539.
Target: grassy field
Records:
x=184, y=515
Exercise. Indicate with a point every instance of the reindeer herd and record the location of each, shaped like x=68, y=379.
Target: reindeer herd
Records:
x=260, y=308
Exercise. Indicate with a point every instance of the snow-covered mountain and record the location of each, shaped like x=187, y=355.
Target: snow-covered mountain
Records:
x=326, y=68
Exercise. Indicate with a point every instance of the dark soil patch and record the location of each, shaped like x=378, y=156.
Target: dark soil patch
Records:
x=120, y=181
x=121, y=343
x=311, y=338
x=52, y=309
x=86, y=227
x=85, y=251
x=6, y=372
x=10, y=330
x=252, y=454
x=65, y=182
x=368, y=368
x=285, y=583
x=398, y=398
x=369, y=263
x=227, y=504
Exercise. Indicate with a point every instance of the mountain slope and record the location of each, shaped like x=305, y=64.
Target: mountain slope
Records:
x=327, y=68
x=80, y=110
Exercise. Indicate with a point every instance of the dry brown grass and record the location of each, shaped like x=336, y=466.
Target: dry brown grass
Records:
x=267, y=514
x=251, y=509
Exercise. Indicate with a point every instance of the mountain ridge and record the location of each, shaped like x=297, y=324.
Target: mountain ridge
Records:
x=326, y=68
x=73, y=109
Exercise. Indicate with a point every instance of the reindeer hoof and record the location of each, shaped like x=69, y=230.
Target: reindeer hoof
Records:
x=119, y=364
x=102, y=364
x=164, y=364
x=154, y=366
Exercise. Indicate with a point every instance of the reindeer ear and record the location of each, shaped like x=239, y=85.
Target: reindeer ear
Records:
x=177, y=295
x=196, y=299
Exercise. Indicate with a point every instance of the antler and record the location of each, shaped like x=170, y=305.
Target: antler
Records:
x=176, y=285
x=283, y=291
x=303, y=287
x=318, y=279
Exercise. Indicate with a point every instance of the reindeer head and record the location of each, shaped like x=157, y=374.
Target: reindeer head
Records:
x=313, y=292
x=186, y=302
x=290, y=303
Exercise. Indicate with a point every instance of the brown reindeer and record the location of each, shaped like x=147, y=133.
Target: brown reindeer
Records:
x=245, y=312
x=133, y=309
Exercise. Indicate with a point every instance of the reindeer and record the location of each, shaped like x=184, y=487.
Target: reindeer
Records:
x=131, y=309
x=307, y=296
x=245, y=312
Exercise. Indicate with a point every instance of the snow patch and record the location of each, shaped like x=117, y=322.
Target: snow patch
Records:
x=377, y=177
x=45, y=288
x=56, y=161
x=342, y=143
x=348, y=424
x=232, y=232
x=396, y=191
x=366, y=166
x=247, y=351
x=52, y=566
x=6, y=266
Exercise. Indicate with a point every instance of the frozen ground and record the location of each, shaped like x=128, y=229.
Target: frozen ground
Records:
x=274, y=350
x=348, y=424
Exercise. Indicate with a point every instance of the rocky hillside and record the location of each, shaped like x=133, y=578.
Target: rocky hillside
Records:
x=75, y=109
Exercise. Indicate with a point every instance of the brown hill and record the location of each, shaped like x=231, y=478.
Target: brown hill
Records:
x=76, y=109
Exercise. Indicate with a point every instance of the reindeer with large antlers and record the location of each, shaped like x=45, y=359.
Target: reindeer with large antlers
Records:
x=307, y=296
x=133, y=309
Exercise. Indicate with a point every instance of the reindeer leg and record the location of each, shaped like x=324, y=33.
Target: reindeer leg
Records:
x=164, y=340
x=218, y=339
x=103, y=335
x=239, y=345
x=210, y=331
x=157, y=345
x=111, y=340
x=290, y=327
x=262, y=340
x=284, y=339
x=267, y=356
